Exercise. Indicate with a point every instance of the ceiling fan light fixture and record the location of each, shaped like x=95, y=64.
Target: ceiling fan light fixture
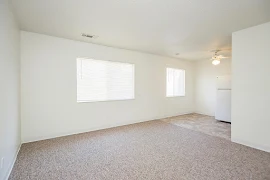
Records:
x=216, y=62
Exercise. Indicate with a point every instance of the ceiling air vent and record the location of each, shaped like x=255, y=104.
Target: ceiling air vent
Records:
x=89, y=36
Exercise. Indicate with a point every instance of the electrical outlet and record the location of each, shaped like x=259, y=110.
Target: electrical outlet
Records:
x=2, y=162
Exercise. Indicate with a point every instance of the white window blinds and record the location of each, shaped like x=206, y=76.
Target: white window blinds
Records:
x=175, y=82
x=99, y=80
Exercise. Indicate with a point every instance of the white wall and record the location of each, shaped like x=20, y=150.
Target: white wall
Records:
x=251, y=87
x=205, y=84
x=9, y=88
x=48, y=88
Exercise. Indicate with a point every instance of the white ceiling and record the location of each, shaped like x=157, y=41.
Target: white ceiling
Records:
x=189, y=27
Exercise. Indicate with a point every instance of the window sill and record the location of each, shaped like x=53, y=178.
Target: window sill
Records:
x=175, y=96
x=105, y=100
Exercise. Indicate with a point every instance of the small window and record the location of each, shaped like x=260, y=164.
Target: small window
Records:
x=175, y=82
x=99, y=80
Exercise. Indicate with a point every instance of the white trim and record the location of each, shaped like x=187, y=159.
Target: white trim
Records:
x=27, y=140
x=252, y=145
x=188, y=112
x=12, y=164
x=199, y=112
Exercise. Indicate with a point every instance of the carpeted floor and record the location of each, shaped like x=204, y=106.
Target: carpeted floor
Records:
x=202, y=123
x=150, y=150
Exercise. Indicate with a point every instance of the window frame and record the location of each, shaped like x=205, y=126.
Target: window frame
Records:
x=108, y=100
x=184, y=82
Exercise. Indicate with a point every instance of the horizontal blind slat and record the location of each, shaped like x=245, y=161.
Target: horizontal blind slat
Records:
x=99, y=80
x=175, y=85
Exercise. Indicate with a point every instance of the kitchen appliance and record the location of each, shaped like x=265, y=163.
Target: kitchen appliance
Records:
x=223, y=99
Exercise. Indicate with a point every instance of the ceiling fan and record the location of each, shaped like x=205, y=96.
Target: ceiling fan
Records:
x=216, y=58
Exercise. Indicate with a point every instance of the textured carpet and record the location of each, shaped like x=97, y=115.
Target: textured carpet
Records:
x=202, y=123
x=150, y=150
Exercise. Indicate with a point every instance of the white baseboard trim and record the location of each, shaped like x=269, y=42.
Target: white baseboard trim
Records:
x=198, y=112
x=249, y=144
x=12, y=163
x=178, y=114
x=100, y=128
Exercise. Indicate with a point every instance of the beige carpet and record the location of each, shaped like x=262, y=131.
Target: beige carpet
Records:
x=202, y=123
x=151, y=150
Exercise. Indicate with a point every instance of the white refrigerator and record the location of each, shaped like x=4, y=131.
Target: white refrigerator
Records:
x=223, y=99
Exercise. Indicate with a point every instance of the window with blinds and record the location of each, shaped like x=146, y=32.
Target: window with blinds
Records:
x=175, y=82
x=99, y=80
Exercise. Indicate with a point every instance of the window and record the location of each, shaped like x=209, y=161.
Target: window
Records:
x=175, y=82
x=99, y=80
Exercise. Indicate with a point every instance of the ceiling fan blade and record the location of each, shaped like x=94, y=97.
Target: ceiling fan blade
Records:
x=222, y=57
